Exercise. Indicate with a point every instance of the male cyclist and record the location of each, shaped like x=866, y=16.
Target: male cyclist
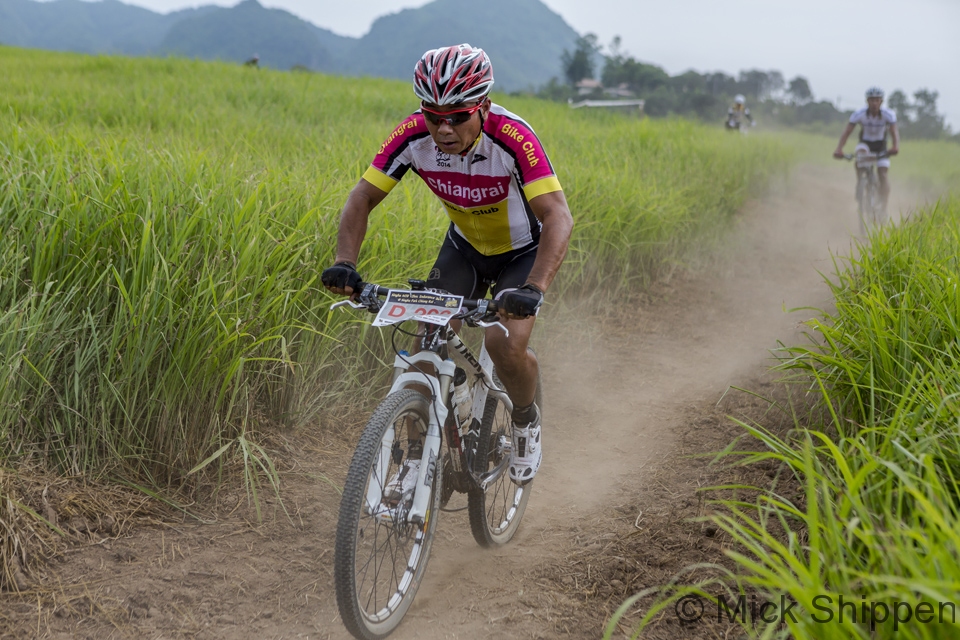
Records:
x=874, y=122
x=737, y=113
x=510, y=223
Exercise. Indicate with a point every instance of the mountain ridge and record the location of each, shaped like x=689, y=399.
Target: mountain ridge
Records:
x=524, y=38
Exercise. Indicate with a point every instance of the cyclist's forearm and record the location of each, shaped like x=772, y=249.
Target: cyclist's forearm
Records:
x=845, y=135
x=353, y=221
x=550, y=256
x=353, y=228
x=895, y=134
x=554, y=240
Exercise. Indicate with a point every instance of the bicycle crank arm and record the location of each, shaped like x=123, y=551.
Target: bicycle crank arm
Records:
x=488, y=478
x=484, y=480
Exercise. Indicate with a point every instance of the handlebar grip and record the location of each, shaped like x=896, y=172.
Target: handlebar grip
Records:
x=377, y=289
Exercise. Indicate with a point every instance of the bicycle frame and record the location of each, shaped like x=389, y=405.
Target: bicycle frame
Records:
x=867, y=186
x=866, y=174
x=386, y=528
x=438, y=379
x=440, y=408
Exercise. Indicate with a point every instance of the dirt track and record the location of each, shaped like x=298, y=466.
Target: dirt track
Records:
x=617, y=403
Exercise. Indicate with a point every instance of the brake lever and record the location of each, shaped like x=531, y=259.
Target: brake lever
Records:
x=475, y=317
x=368, y=300
x=347, y=302
x=497, y=323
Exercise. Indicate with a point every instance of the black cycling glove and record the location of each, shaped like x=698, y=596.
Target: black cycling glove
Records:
x=521, y=302
x=340, y=276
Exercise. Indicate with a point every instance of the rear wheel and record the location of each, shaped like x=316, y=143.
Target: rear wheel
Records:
x=380, y=558
x=495, y=514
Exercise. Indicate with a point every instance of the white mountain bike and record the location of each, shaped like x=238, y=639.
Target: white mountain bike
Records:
x=384, y=540
x=870, y=207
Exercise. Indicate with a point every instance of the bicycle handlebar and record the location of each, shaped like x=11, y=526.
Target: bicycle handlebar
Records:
x=373, y=292
x=866, y=156
x=480, y=312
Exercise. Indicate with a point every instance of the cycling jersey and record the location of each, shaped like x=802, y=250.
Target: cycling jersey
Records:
x=873, y=128
x=734, y=114
x=486, y=191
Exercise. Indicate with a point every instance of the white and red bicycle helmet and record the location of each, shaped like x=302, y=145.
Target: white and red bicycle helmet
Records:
x=451, y=75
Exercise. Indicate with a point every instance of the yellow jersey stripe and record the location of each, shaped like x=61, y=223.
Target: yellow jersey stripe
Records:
x=379, y=179
x=486, y=228
x=542, y=186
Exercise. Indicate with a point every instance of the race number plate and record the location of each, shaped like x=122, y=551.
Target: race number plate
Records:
x=424, y=306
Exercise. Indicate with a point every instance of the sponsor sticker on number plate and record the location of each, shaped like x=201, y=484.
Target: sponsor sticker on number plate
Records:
x=424, y=306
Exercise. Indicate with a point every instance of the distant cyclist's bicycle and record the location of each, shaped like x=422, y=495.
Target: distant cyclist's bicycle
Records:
x=735, y=123
x=384, y=531
x=870, y=206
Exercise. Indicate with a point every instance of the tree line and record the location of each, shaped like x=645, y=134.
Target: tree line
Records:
x=707, y=96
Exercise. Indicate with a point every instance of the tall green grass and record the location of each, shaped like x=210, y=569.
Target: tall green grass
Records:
x=869, y=503
x=163, y=224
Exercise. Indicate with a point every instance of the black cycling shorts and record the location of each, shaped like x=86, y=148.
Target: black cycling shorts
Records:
x=876, y=146
x=464, y=271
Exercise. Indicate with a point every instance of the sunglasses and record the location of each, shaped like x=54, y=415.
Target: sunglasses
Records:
x=452, y=118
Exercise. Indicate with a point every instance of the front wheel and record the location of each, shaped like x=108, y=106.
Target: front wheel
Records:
x=879, y=211
x=495, y=514
x=380, y=558
x=864, y=204
x=872, y=209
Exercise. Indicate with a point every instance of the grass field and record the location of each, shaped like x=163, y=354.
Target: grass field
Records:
x=165, y=222
x=866, y=504
x=879, y=511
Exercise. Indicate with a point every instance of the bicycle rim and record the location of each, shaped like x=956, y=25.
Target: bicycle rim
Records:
x=495, y=514
x=379, y=558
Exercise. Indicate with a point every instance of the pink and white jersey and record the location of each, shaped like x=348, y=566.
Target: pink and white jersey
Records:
x=873, y=128
x=487, y=190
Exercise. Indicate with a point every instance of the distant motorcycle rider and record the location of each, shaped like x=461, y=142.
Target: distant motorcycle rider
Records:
x=737, y=113
x=875, y=123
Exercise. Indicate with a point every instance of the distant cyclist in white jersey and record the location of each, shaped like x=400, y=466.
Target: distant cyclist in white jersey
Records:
x=737, y=113
x=875, y=122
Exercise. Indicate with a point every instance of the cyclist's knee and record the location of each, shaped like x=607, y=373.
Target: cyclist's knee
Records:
x=509, y=353
x=505, y=349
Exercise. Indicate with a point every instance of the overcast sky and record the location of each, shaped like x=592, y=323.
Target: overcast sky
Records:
x=840, y=46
